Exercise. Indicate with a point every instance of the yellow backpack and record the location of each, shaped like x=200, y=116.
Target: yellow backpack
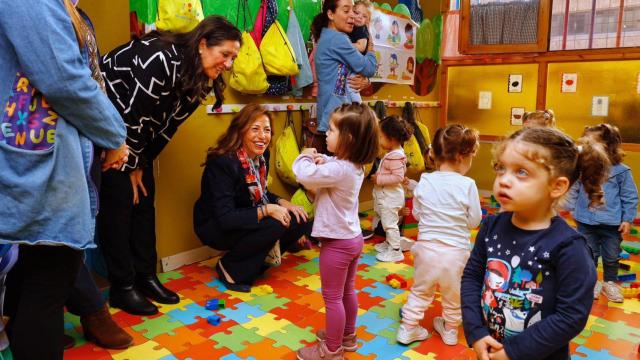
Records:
x=247, y=74
x=415, y=155
x=277, y=54
x=301, y=198
x=179, y=16
x=287, y=151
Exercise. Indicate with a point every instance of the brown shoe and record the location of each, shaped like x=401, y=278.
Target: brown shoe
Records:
x=100, y=329
x=349, y=342
x=319, y=351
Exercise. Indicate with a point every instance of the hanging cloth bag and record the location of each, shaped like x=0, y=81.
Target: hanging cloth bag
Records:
x=277, y=53
x=304, y=77
x=287, y=151
x=247, y=73
x=179, y=16
x=416, y=147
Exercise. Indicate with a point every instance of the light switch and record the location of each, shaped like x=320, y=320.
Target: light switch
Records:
x=484, y=100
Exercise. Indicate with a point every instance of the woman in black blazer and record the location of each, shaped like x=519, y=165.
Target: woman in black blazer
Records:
x=235, y=211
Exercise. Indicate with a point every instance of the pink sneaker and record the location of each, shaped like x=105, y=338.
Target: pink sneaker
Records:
x=319, y=351
x=349, y=342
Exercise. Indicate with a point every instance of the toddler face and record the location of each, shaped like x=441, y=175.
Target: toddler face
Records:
x=362, y=15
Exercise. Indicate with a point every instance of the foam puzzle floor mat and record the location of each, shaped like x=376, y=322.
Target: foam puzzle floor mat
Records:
x=267, y=324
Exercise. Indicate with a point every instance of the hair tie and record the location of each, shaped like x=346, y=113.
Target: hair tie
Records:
x=579, y=149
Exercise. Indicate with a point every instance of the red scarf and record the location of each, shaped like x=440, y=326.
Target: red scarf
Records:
x=257, y=186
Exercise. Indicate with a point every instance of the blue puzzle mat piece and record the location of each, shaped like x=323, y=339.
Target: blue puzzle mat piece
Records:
x=216, y=284
x=168, y=357
x=368, y=259
x=235, y=357
x=190, y=314
x=380, y=347
x=373, y=323
x=592, y=354
x=241, y=313
x=382, y=290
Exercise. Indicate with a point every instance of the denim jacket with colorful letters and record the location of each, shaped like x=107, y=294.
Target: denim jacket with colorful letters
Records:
x=52, y=112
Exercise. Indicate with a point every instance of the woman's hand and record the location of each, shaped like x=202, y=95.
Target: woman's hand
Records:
x=485, y=346
x=624, y=228
x=358, y=82
x=115, y=158
x=136, y=182
x=279, y=213
x=297, y=211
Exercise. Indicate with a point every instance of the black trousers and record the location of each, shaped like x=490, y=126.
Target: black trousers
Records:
x=85, y=298
x=127, y=232
x=37, y=289
x=245, y=259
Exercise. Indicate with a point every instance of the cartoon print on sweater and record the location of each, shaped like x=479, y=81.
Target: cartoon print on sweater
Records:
x=511, y=294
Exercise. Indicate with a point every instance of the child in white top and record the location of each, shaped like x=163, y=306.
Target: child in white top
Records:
x=447, y=206
x=388, y=192
x=353, y=138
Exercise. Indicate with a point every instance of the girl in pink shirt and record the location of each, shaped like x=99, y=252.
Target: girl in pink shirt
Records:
x=353, y=138
x=388, y=193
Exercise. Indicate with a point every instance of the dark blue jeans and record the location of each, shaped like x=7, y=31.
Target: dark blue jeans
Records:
x=604, y=241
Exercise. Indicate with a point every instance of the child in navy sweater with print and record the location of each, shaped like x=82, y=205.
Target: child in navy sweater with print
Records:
x=526, y=289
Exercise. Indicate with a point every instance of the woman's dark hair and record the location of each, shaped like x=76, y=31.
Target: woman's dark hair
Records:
x=195, y=83
x=450, y=142
x=358, y=141
x=396, y=128
x=583, y=160
x=321, y=20
x=231, y=140
x=609, y=135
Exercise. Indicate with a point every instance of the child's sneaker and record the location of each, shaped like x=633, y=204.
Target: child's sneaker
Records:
x=406, y=335
x=449, y=337
x=349, y=342
x=319, y=351
x=391, y=255
x=382, y=247
x=612, y=291
x=597, y=289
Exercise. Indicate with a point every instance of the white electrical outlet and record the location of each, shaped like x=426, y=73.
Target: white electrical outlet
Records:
x=484, y=100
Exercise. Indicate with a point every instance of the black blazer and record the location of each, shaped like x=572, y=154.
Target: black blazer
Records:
x=225, y=206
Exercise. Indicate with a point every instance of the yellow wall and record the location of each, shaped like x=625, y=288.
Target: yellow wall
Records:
x=110, y=20
x=465, y=83
x=616, y=79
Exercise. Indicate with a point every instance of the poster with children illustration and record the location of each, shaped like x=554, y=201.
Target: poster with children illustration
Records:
x=394, y=45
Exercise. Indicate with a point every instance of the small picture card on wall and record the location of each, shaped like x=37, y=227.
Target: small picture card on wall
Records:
x=517, y=113
x=569, y=82
x=484, y=100
x=515, y=83
x=600, y=106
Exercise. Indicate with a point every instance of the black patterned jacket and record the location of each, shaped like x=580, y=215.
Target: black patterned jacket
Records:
x=141, y=80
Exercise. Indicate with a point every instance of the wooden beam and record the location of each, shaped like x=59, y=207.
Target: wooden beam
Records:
x=444, y=94
x=541, y=94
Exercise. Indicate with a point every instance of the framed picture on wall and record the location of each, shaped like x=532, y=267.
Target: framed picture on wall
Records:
x=515, y=83
x=517, y=113
x=569, y=83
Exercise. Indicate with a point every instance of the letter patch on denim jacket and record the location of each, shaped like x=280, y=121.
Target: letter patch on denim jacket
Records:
x=28, y=121
x=341, y=83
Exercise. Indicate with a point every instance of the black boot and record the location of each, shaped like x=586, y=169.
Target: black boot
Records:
x=151, y=287
x=131, y=300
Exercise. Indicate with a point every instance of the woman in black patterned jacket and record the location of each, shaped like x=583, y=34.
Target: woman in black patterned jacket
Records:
x=156, y=82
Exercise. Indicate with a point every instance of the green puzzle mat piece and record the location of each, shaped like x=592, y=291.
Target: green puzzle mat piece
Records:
x=157, y=326
x=292, y=336
x=268, y=302
x=237, y=339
